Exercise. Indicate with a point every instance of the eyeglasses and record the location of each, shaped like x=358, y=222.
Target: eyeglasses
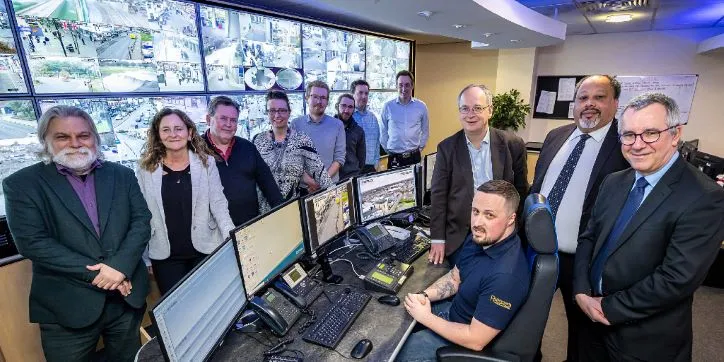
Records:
x=475, y=109
x=650, y=136
x=318, y=98
x=281, y=112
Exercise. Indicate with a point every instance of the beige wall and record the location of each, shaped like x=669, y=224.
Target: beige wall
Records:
x=644, y=53
x=441, y=71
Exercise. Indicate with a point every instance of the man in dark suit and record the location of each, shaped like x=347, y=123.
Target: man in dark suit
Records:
x=88, y=277
x=648, y=245
x=466, y=160
x=573, y=162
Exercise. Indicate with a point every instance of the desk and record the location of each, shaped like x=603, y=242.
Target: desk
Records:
x=384, y=325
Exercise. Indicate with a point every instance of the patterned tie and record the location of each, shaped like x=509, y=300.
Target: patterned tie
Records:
x=559, y=188
x=629, y=209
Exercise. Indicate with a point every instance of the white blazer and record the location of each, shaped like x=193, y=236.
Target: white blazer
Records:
x=210, y=220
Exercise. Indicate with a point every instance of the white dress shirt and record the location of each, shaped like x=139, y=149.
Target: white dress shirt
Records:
x=568, y=218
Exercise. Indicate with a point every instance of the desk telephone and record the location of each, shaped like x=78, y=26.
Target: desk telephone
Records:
x=378, y=238
x=386, y=277
x=300, y=290
x=276, y=311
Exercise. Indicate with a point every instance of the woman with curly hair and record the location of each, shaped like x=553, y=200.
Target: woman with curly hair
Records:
x=179, y=178
x=291, y=155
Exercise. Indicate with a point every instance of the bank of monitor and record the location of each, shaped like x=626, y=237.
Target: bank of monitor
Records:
x=268, y=245
x=428, y=167
x=385, y=193
x=711, y=165
x=194, y=316
x=328, y=214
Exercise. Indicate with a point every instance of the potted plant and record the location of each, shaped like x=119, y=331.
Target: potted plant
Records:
x=509, y=111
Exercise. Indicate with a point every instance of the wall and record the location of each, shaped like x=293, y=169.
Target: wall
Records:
x=441, y=71
x=644, y=53
x=516, y=69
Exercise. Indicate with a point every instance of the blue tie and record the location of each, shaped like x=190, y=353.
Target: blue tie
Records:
x=629, y=209
x=559, y=188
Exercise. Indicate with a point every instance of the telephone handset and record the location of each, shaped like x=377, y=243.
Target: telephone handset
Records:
x=276, y=311
x=376, y=238
x=295, y=285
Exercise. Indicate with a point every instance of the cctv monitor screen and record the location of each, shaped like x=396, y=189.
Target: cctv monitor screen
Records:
x=385, y=193
x=194, y=316
x=328, y=214
x=268, y=245
x=429, y=168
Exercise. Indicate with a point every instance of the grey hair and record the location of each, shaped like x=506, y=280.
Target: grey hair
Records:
x=488, y=93
x=673, y=118
x=62, y=111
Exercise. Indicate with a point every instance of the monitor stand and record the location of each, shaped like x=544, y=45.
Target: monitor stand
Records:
x=327, y=275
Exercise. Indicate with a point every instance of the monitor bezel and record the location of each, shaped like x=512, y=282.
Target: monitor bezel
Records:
x=358, y=192
x=305, y=222
x=425, y=186
x=238, y=314
x=233, y=232
x=10, y=249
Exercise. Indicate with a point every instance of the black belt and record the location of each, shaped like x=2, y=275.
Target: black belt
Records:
x=406, y=154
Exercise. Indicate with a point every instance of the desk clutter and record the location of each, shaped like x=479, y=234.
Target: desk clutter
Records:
x=302, y=275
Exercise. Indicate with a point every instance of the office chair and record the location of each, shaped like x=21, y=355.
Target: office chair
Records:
x=520, y=340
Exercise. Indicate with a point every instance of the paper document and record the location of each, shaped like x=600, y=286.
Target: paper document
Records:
x=570, y=110
x=566, y=89
x=546, y=102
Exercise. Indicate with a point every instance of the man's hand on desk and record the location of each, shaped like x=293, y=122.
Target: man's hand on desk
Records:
x=437, y=253
x=592, y=307
x=418, y=306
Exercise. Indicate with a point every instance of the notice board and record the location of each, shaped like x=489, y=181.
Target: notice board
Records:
x=553, y=95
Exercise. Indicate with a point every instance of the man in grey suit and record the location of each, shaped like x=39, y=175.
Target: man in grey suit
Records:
x=88, y=277
x=573, y=162
x=465, y=160
x=649, y=243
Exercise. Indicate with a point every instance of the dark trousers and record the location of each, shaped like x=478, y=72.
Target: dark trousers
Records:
x=169, y=271
x=368, y=169
x=403, y=159
x=574, y=314
x=119, y=325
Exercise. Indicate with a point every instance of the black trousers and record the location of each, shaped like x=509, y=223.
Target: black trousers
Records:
x=403, y=159
x=170, y=271
x=368, y=169
x=119, y=325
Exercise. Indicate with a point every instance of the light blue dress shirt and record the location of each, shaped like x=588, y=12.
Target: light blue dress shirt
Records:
x=480, y=160
x=404, y=127
x=655, y=177
x=368, y=121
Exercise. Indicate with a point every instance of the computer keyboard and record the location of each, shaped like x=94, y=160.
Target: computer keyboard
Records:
x=409, y=251
x=330, y=328
x=424, y=212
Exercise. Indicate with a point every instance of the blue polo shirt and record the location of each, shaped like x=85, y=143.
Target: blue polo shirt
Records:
x=493, y=282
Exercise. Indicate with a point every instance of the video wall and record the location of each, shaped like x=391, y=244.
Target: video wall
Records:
x=123, y=60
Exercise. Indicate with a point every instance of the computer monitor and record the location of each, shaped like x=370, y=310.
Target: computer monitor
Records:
x=428, y=168
x=268, y=245
x=7, y=246
x=709, y=164
x=327, y=214
x=194, y=316
x=385, y=193
x=687, y=149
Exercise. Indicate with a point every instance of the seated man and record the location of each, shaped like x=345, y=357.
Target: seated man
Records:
x=487, y=285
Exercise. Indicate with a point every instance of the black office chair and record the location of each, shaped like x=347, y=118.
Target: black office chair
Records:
x=520, y=340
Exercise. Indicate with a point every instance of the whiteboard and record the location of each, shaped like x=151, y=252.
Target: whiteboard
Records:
x=679, y=87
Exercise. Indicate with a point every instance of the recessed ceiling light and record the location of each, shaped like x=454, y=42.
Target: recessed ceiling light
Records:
x=481, y=44
x=425, y=13
x=488, y=35
x=514, y=40
x=619, y=18
x=459, y=26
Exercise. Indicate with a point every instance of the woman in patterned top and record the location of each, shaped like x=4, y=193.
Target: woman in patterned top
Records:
x=291, y=155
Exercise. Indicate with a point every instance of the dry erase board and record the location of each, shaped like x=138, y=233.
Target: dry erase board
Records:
x=553, y=93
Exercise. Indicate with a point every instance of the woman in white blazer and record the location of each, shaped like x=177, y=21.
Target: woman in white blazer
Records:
x=181, y=184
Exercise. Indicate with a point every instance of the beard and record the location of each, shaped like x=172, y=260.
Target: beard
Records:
x=78, y=160
x=485, y=240
x=589, y=123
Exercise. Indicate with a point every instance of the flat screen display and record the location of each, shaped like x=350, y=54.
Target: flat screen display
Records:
x=253, y=118
x=328, y=214
x=385, y=193
x=18, y=139
x=334, y=56
x=386, y=57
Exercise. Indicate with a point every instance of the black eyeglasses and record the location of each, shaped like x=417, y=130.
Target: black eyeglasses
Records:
x=649, y=136
x=282, y=112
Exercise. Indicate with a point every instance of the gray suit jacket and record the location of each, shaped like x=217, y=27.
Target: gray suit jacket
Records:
x=210, y=220
x=452, y=182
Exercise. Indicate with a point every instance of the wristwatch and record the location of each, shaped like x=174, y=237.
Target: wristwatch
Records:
x=423, y=293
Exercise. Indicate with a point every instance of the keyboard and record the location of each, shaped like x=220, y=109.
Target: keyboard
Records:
x=330, y=328
x=424, y=212
x=409, y=251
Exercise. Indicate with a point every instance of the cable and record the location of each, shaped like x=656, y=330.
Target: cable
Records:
x=340, y=353
x=350, y=263
x=343, y=247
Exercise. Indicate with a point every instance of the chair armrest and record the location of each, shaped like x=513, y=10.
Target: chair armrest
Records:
x=462, y=354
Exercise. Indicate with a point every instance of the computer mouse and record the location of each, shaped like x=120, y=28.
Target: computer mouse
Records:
x=392, y=300
x=361, y=349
